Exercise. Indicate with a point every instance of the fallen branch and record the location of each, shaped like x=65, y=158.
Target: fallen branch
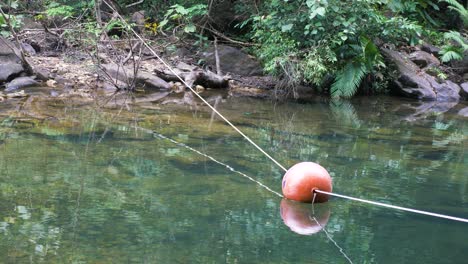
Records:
x=221, y=35
x=196, y=76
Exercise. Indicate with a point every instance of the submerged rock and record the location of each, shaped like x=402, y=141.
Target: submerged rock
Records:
x=415, y=83
x=463, y=112
x=20, y=82
x=421, y=110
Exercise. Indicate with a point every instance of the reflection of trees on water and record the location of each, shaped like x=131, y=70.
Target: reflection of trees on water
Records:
x=127, y=196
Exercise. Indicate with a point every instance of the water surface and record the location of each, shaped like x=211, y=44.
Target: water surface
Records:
x=85, y=185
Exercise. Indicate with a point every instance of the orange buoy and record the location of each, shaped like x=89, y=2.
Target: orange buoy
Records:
x=301, y=219
x=302, y=179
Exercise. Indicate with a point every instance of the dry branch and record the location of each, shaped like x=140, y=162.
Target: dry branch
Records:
x=196, y=76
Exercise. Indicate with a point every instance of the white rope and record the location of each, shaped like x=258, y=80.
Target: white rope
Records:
x=395, y=207
x=217, y=161
x=191, y=89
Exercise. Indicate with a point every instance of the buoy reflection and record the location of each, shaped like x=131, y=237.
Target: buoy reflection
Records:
x=301, y=219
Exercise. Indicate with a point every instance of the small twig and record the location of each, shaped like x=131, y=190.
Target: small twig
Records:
x=131, y=53
x=97, y=11
x=218, y=66
x=219, y=34
x=134, y=4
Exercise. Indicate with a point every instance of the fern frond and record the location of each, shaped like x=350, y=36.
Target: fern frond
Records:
x=455, y=5
x=347, y=80
x=451, y=55
x=457, y=37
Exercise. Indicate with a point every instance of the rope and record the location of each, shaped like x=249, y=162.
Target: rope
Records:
x=258, y=147
x=217, y=161
x=395, y=207
x=332, y=240
x=191, y=89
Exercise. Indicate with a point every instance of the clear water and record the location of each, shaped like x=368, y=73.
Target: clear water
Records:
x=81, y=185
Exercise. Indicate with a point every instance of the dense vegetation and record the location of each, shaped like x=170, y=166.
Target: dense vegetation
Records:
x=325, y=43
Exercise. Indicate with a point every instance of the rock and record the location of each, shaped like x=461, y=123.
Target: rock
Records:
x=10, y=62
x=42, y=73
x=51, y=83
x=126, y=75
x=234, y=60
x=138, y=18
x=463, y=112
x=461, y=66
x=415, y=83
x=16, y=95
x=28, y=48
x=423, y=59
x=464, y=90
x=20, y=82
x=29, y=23
x=431, y=49
x=7, y=70
x=421, y=110
x=116, y=85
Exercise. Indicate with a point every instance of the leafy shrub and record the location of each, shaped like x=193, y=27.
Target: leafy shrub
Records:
x=180, y=16
x=456, y=44
x=328, y=37
x=14, y=20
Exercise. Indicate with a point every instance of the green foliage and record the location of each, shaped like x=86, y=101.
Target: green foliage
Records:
x=55, y=9
x=329, y=37
x=180, y=16
x=348, y=80
x=455, y=47
x=454, y=5
x=421, y=10
x=14, y=20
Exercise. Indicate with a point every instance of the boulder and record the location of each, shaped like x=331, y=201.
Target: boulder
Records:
x=424, y=59
x=461, y=66
x=464, y=90
x=10, y=62
x=138, y=18
x=28, y=48
x=413, y=82
x=234, y=60
x=42, y=73
x=27, y=22
x=126, y=75
x=431, y=49
x=20, y=82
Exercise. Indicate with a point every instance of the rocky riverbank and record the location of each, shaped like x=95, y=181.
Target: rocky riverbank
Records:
x=115, y=70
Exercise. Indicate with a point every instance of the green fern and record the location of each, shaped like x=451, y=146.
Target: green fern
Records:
x=348, y=80
x=458, y=38
x=455, y=5
x=451, y=53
